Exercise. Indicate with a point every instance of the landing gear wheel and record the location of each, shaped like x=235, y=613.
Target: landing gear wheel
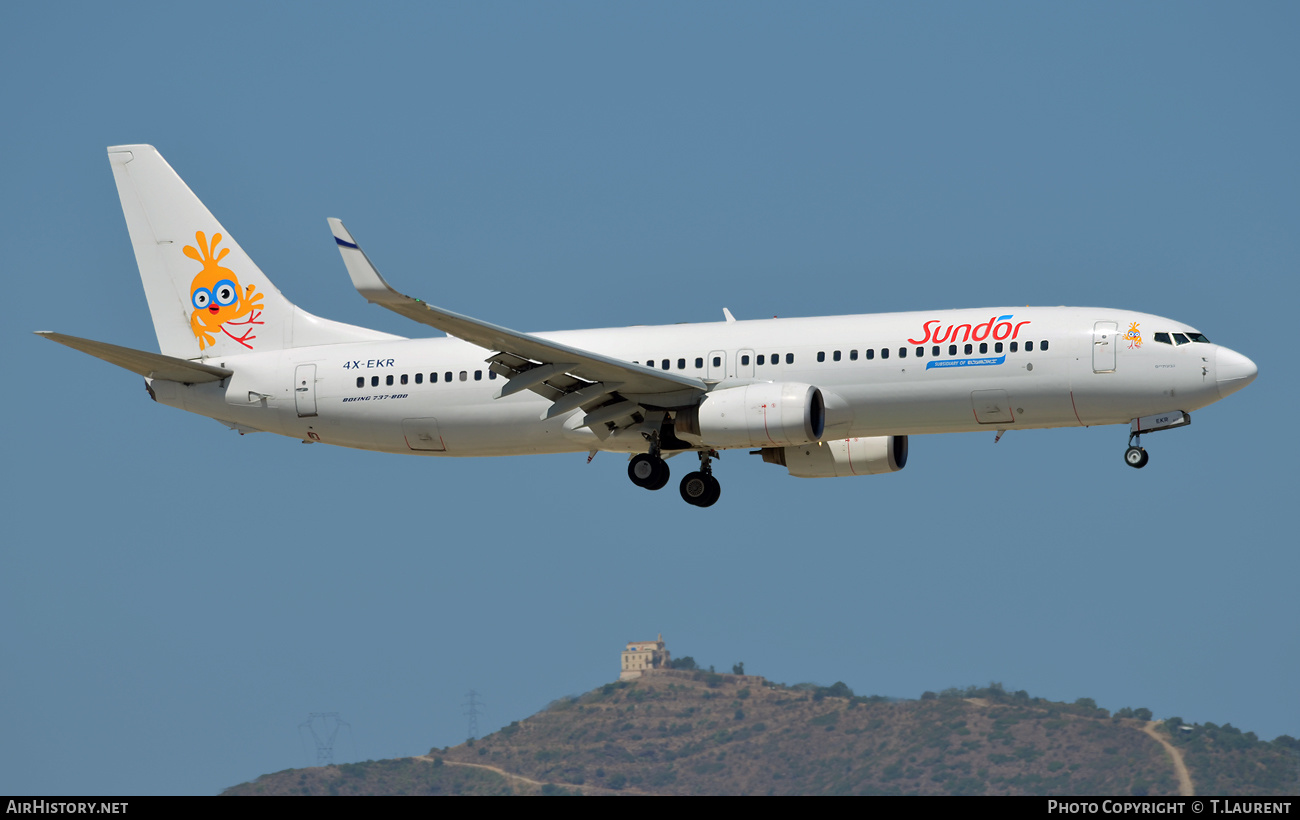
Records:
x=700, y=489
x=648, y=471
x=1136, y=457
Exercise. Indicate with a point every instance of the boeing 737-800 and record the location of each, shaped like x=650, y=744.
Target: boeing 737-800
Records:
x=823, y=397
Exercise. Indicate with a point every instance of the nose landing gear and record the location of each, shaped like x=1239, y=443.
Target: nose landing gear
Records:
x=701, y=489
x=1135, y=456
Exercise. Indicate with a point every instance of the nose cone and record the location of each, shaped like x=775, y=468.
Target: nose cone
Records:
x=1234, y=371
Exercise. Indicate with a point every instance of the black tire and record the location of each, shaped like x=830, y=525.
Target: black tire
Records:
x=715, y=492
x=695, y=489
x=641, y=469
x=661, y=474
x=1136, y=457
x=700, y=489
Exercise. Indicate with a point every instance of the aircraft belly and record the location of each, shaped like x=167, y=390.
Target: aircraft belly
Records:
x=960, y=401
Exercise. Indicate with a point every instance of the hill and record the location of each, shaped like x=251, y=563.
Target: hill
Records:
x=676, y=732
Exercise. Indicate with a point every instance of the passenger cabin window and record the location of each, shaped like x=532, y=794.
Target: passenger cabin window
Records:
x=419, y=378
x=836, y=355
x=403, y=378
x=665, y=364
x=969, y=349
x=984, y=347
x=934, y=351
x=760, y=358
x=699, y=362
x=853, y=355
x=388, y=380
x=446, y=376
x=884, y=353
x=464, y=375
x=1043, y=345
x=478, y=375
x=361, y=381
x=997, y=348
x=920, y=352
x=902, y=353
x=952, y=350
x=1015, y=346
x=681, y=364
x=717, y=361
x=871, y=353
x=1180, y=339
x=821, y=355
x=789, y=358
x=744, y=359
x=433, y=378
x=374, y=381
x=492, y=374
x=1029, y=347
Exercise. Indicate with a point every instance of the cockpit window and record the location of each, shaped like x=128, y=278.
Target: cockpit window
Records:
x=1198, y=337
x=1180, y=339
x=1163, y=338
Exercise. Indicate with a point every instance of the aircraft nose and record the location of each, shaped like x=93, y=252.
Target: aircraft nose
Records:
x=1234, y=371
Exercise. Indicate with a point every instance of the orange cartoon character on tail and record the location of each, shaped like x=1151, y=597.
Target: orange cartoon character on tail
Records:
x=218, y=300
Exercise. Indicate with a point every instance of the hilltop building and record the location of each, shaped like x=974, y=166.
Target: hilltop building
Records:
x=642, y=655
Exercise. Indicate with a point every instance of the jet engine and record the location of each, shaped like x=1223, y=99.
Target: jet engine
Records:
x=845, y=457
x=769, y=414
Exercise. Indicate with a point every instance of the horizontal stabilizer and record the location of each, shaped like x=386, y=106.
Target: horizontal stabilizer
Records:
x=149, y=365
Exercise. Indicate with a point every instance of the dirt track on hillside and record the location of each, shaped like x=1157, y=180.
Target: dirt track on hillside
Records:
x=1185, y=787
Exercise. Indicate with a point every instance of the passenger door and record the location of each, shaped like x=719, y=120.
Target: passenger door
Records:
x=304, y=390
x=1104, y=337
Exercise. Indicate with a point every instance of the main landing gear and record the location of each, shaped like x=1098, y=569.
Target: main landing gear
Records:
x=649, y=470
x=701, y=488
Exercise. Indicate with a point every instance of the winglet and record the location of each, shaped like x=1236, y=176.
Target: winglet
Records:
x=727, y=313
x=365, y=277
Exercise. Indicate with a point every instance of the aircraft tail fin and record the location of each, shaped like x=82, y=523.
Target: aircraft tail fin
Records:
x=206, y=296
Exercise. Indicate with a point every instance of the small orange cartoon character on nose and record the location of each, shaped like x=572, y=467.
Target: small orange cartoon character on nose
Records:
x=1134, y=335
x=217, y=297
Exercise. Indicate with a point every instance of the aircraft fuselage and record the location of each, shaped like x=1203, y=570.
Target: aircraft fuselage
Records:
x=1069, y=367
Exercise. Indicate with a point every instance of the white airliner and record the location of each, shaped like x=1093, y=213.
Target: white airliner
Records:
x=828, y=396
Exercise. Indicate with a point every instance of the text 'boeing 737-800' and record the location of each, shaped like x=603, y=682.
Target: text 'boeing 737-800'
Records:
x=823, y=397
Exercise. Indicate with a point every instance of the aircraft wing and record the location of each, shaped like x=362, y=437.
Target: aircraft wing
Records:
x=608, y=389
x=149, y=365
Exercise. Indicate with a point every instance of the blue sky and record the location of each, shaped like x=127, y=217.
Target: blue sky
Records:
x=176, y=599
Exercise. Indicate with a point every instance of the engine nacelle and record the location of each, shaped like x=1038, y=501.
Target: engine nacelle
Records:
x=755, y=415
x=845, y=457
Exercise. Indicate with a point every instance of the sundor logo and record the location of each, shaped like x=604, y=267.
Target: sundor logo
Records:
x=999, y=327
